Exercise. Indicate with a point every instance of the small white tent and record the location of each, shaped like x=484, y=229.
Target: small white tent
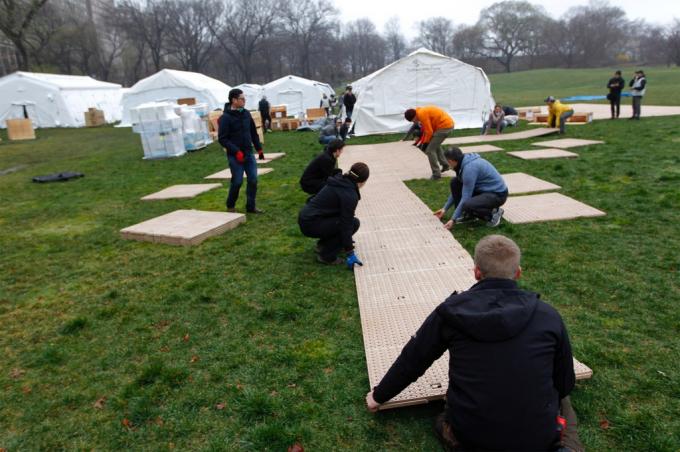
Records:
x=52, y=100
x=170, y=85
x=253, y=94
x=421, y=78
x=296, y=93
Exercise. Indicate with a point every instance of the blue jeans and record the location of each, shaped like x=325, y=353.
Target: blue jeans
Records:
x=237, y=170
x=326, y=139
x=563, y=119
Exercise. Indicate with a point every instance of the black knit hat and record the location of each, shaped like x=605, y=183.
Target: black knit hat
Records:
x=410, y=114
x=359, y=172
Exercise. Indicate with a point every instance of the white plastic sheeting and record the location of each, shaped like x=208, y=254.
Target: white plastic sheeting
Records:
x=52, y=100
x=253, y=94
x=421, y=78
x=168, y=85
x=296, y=93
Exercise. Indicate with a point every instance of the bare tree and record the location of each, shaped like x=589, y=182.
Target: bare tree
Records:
x=190, y=35
x=599, y=31
x=468, y=42
x=396, y=44
x=14, y=23
x=673, y=40
x=507, y=26
x=150, y=23
x=365, y=48
x=560, y=41
x=308, y=22
x=436, y=34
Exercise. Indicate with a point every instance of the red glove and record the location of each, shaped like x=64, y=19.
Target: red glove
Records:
x=240, y=156
x=260, y=154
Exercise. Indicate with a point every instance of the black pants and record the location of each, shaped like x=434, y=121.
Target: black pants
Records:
x=327, y=230
x=615, y=105
x=480, y=205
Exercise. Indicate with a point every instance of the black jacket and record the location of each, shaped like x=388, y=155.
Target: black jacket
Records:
x=317, y=172
x=349, y=99
x=616, y=85
x=237, y=132
x=263, y=107
x=510, y=364
x=509, y=111
x=338, y=198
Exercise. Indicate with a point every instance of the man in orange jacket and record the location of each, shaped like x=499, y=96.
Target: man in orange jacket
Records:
x=435, y=125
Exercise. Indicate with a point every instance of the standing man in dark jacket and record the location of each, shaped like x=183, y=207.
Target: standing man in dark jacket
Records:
x=263, y=108
x=329, y=216
x=321, y=168
x=348, y=100
x=615, y=86
x=237, y=134
x=510, y=368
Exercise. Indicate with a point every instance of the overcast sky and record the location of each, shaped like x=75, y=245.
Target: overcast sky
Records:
x=467, y=11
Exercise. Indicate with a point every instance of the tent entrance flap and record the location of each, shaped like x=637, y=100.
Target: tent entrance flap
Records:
x=292, y=100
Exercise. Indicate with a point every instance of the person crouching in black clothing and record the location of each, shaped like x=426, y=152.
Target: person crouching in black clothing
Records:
x=329, y=216
x=322, y=167
x=615, y=85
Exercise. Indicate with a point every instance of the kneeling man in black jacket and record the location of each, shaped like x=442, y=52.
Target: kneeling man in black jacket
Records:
x=510, y=368
x=322, y=167
x=329, y=216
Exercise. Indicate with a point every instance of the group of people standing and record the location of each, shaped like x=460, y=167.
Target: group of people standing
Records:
x=637, y=86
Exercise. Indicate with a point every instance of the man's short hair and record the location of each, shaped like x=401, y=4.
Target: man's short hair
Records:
x=234, y=93
x=497, y=256
x=410, y=114
x=454, y=154
x=335, y=144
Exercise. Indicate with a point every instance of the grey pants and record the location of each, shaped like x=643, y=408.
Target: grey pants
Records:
x=434, y=151
x=637, y=101
x=563, y=119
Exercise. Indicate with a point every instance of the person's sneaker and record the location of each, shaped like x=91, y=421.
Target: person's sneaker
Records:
x=496, y=216
x=231, y=209
x=255, y=210
x=336, y=261
x=435, y=177
x=445, y=168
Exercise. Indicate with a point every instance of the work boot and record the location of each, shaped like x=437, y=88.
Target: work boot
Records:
x=255, y=210
x=435, y=177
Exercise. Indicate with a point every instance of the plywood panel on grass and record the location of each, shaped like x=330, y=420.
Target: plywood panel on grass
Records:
x=269, y=156
x=180, y=191
x=226, y=174
x=546, y=207
x=566, y=143
x=543, y=154
x=480, y=148
x=524, y=183
x=523, y=135
x=183, y=227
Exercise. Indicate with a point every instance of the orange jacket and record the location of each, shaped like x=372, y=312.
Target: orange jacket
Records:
x=431, y=119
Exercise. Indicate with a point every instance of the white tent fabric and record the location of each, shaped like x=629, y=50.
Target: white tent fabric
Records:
x=253, y=94
x=52, y=100
x=421, y=78
x=296, y=93
x=170, y=85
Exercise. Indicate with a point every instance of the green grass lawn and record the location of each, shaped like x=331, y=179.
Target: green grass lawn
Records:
x=531, y=87
x=246, y=343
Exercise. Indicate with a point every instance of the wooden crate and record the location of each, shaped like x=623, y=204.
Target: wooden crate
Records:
x=278, y=111
x=187, y=101
x=315, y=113
x=213, y=122
x=20, y=129
x=94, y=117
x=576, y=117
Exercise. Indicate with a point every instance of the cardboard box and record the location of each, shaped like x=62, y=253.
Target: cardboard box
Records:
x=187, y=101
x=257, y=118
x=315, y=113
x=20, y=129
x=278, y=111
x=94, y=117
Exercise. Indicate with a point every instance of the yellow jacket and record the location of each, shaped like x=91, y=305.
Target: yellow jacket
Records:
x=432, y=118
x=555, y=110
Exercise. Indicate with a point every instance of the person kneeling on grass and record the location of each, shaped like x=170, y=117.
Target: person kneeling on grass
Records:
x=510, y=364
x=477, y=190
x=329, y=216
x=558, y=113
x=321, y=168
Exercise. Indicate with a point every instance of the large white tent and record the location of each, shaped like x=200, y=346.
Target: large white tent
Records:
x=253, y=93
x=170, y=85
x=296, y=93
x=421, y=78
x=52, y=100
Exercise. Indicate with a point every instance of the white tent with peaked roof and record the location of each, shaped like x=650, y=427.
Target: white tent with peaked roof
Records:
x=170, y=85
x=296, y=93
x=421, y=78
x=253, y=93
x=53, y=100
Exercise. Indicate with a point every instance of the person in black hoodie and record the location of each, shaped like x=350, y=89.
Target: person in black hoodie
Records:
x=237, y=135
x=510, y=368
x=329, y=216
x=348, y=100
x=615, y=86
x=322, y=167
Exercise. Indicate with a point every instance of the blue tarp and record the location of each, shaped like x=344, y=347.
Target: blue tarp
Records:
x=578, y=98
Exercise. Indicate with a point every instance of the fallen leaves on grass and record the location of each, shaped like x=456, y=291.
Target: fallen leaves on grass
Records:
x=195, y=359
x=186, y=338
x=26, y=389
x=164, y=349
x=99, y=404
x=297, y=447
x=158, y=421
x=220, y=406
x=17, y=373
x=604, y=424
x=126, y=423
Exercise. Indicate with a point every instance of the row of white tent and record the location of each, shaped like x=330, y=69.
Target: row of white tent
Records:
x=421, y=78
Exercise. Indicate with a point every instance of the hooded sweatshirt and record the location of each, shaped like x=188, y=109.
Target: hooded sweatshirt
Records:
x=510, y=364
x=237, y=132
x=478, y=176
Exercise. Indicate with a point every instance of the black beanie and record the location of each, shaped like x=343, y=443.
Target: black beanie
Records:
x=358, y=172
x=410, y=114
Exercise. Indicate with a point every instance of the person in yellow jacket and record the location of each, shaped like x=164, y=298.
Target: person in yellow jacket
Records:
x=435, y=125
x=558, y=113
